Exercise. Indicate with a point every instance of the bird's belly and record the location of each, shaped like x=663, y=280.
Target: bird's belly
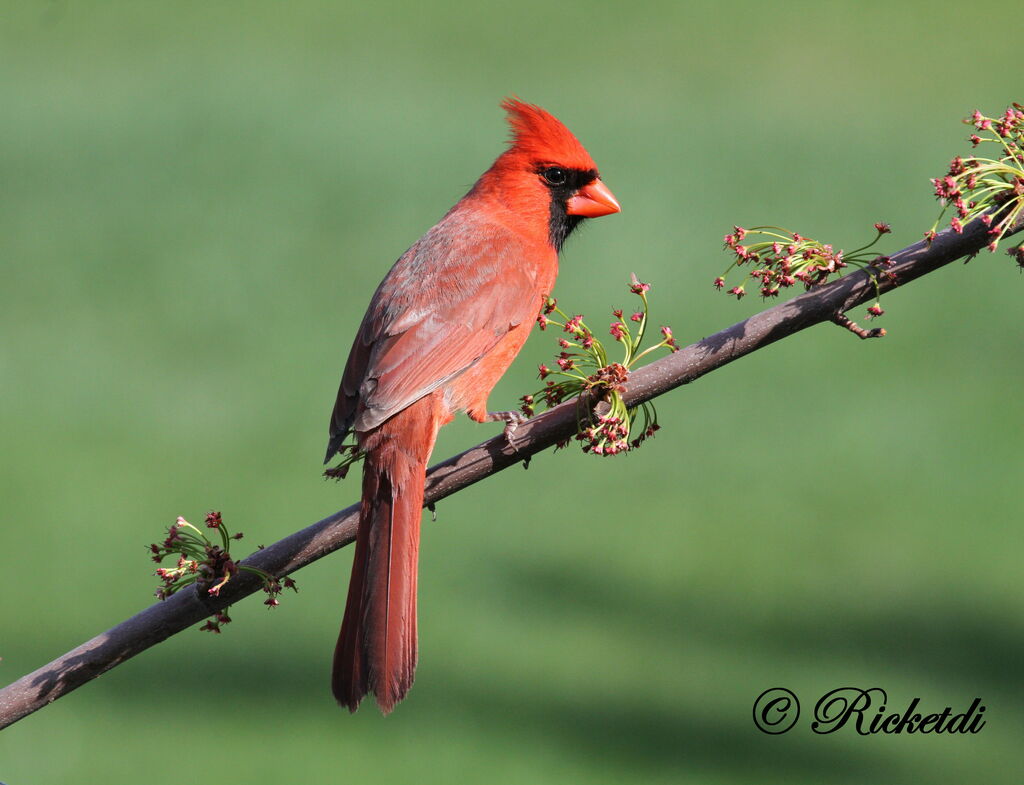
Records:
x=468, y=392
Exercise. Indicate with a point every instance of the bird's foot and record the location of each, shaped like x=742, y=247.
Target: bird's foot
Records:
x=512, y=421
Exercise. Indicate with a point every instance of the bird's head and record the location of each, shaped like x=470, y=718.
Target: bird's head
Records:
x=546, y=168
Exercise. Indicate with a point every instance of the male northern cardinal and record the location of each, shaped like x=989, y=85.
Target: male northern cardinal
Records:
x=441, y=329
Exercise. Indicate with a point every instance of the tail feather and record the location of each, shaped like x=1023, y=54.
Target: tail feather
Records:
x=377, y=649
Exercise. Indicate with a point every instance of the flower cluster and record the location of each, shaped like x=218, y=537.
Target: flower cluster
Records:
x=584, y=367
x=1018, y=255
x=988, y=189
x=778, y=259
x=349, y=453
x=207, y=564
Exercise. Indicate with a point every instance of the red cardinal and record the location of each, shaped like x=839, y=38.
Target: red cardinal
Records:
x=441, y=329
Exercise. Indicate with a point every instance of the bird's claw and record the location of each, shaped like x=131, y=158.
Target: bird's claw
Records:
x=512, y=421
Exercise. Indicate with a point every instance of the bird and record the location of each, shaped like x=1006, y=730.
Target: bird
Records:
x=440, y=330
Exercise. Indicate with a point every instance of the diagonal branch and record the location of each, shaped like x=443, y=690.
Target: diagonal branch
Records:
x=181, y=610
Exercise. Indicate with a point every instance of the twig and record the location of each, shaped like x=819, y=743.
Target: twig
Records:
x=182, y=610
x=847, y=323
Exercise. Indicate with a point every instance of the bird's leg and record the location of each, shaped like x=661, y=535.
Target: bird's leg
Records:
x=512, y=421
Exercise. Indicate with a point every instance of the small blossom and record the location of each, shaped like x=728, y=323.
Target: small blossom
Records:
x=883, y=228
x=618, y=331
x=636, y=317
x=669, y=340
x=875, y=311
x=639, y=288
x=719, y=282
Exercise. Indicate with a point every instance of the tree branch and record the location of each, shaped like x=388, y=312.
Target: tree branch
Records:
x=181, y=610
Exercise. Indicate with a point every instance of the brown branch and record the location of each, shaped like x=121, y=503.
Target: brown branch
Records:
x=185, y=608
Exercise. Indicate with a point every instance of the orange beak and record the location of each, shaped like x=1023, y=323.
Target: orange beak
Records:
x=593, y=200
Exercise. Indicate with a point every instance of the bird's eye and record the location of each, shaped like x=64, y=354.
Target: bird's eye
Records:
x=554, y=175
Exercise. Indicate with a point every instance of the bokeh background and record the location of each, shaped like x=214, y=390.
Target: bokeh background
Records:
x=196, y=201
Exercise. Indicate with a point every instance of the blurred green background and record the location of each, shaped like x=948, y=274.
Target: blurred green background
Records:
x=196, y=202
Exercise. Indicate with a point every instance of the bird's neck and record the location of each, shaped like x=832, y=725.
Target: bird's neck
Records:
x=519, y=202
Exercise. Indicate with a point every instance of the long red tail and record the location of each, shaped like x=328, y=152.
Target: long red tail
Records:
x=376, y=649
